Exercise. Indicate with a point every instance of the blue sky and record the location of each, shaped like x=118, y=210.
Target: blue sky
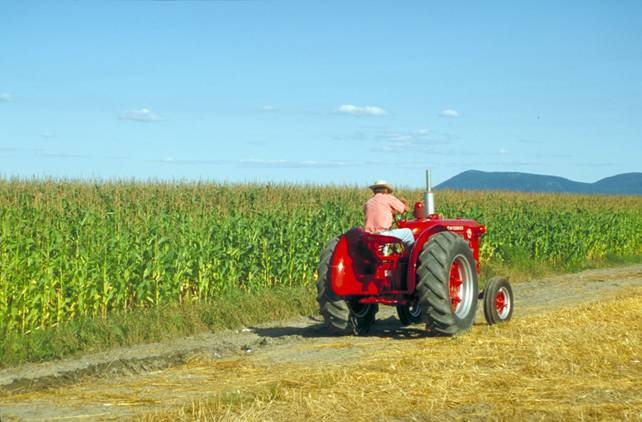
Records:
x=322, y=92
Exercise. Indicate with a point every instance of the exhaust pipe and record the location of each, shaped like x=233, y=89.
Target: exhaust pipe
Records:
x=429, y=199
x=426, y=209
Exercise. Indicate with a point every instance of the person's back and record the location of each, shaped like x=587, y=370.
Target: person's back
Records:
x=379, y=213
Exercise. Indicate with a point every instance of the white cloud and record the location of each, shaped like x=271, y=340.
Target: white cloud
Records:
x=60, y=155
x=172, y=160
x=402, y=141
x=361, y=111
x=140, y=115
x=292, y=164
x=449, y=112
x=268, y=108
x=6, y=97
x=504, y=151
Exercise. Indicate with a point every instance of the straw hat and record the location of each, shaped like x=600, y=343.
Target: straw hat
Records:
x=381, y=184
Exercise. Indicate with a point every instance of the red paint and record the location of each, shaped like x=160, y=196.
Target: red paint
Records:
x=361, y=268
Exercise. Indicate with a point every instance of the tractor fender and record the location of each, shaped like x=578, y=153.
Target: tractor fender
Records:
x=346, y=275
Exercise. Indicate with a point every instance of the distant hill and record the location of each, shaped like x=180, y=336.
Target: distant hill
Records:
x=621, y=184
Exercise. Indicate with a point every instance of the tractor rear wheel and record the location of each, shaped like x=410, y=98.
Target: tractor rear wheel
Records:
x=409, y=314
x=498, y=300
x=447, y=284
x=338, y=313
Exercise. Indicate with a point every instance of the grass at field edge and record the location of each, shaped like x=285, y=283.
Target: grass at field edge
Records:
x=229, y=312
x=156, y=324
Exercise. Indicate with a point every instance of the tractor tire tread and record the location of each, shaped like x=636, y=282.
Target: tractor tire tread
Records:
x=335, y=310
x=433, y=274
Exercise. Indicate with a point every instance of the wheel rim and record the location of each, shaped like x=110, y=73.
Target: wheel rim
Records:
x=461, y=286
x=502, y=303
x=414, y=310
x=360, y=309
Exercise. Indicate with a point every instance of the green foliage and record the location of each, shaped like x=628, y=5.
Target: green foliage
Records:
x=154, y=324
x=562, y=230
x=73, y=250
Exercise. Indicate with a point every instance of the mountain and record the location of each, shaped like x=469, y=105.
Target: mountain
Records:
x=621, y=184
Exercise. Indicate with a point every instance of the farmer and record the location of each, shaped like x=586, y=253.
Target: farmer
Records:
x=379, y=213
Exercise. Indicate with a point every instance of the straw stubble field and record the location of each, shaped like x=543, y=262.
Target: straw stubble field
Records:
x=572, y=352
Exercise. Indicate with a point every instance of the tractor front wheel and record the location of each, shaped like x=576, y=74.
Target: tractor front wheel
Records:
x=409, y=314
x=338, y=313
x=447, y=284
x=498, y=300
x=362, y=316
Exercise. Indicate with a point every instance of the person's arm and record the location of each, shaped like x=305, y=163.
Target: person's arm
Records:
x=398, y=205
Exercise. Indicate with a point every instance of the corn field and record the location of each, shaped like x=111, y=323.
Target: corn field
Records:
x=70, y=249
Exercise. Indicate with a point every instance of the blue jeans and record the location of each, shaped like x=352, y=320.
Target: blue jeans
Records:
x=404, y=234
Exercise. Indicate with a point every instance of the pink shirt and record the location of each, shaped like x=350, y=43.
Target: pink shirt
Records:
x=379, y=212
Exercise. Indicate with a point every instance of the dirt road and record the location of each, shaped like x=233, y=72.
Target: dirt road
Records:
x=129, y=382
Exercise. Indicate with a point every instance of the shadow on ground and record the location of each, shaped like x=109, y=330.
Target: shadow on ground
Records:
x=389, y=327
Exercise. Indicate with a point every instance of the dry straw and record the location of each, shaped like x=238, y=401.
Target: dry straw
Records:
x=575, y=363
x=580, y=363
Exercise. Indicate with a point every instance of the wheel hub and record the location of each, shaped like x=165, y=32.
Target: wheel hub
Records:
x=502, y=302
x=455, y=285
x=460, y=286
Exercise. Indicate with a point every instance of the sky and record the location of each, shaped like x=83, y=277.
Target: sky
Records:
x=319, y=92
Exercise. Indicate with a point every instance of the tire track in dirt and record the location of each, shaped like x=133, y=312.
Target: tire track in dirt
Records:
x=31, y=392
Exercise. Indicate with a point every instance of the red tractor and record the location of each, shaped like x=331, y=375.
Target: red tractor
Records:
x=434, y=282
